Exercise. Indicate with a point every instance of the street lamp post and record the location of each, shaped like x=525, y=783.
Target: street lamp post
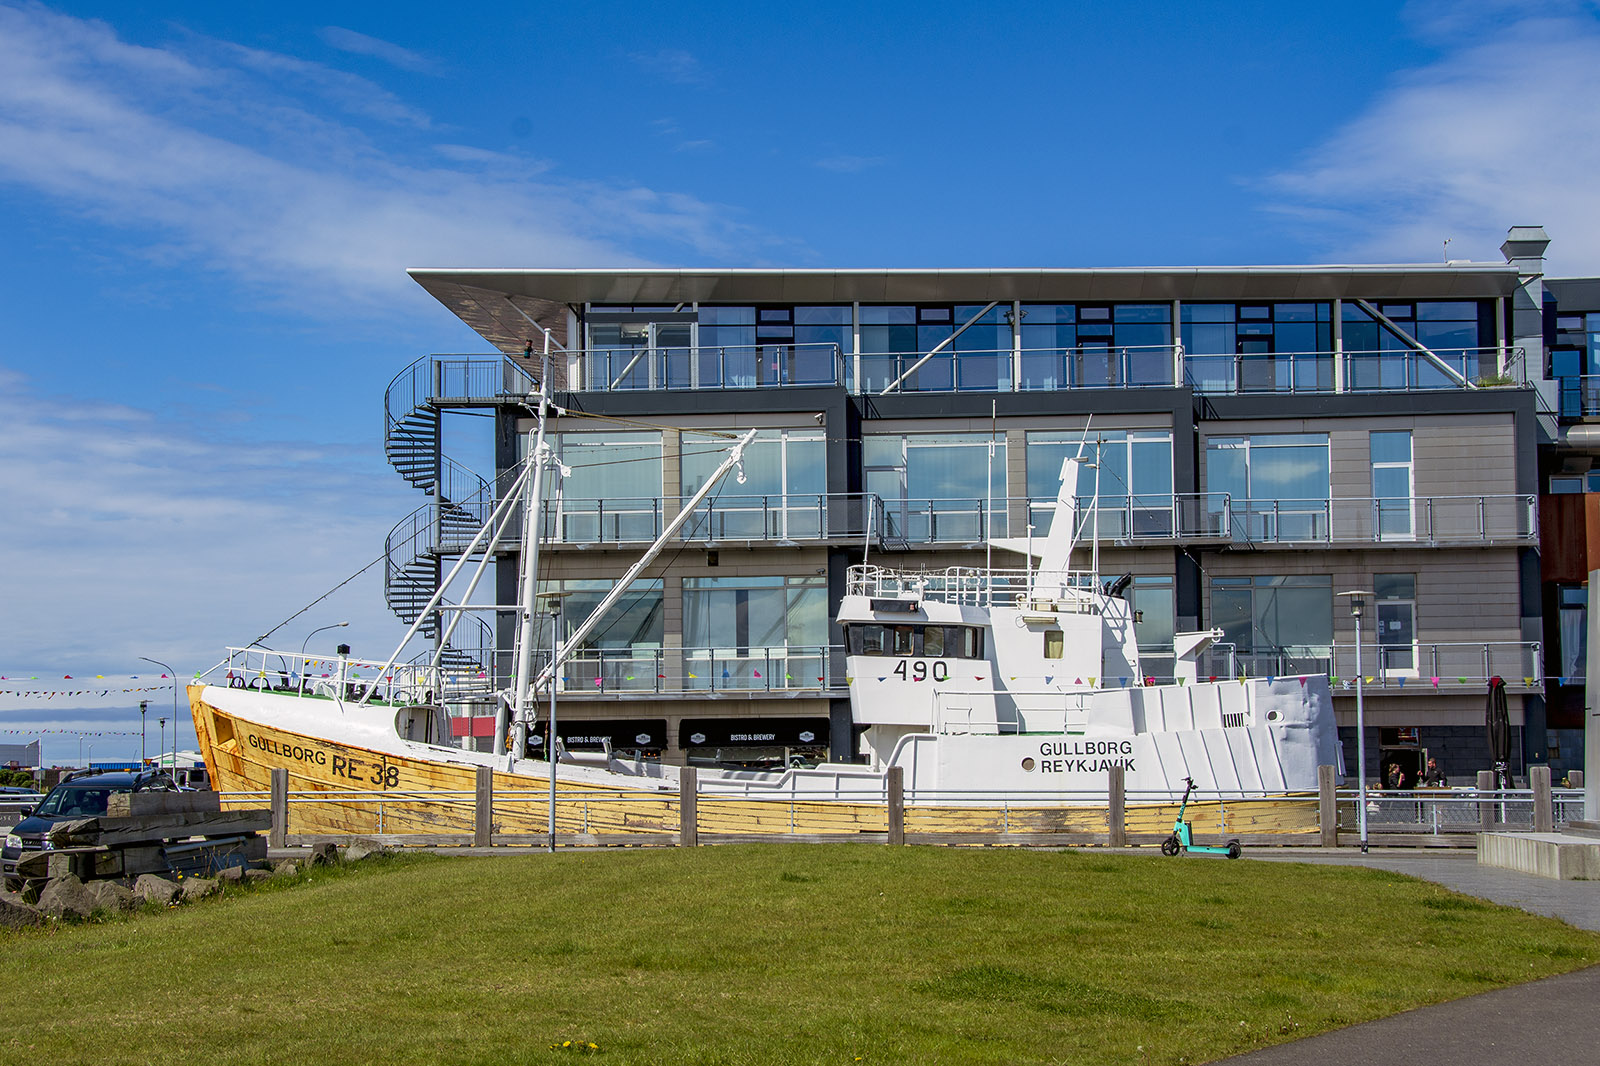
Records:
x=144, y=706
x=174, y=675
x=1358, y=603
x=554, y=599
x=163, y=722
x=303, y=643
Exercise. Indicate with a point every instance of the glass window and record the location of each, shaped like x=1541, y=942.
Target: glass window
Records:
x=934, y=486
x=610, y=465
x=634, y=621
x=1279, y=466
x=1391, y=446
x=1151, y=598
x=1055, y=644
x=740, y=613
x=1274, y=613
x=1563, y=485
x=1135, y=479
x=1573, y=635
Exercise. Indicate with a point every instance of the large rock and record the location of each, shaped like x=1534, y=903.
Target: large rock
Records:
x=153, y=889
x=231, y=875
x=15, y=914
x=66, y=897
x=286, y=868
x=362, y=848
x=252, y=877
x=325, y=853
x=112, y=897
x=196, y=888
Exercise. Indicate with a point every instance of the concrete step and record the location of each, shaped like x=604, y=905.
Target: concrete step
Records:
x=1559, y=856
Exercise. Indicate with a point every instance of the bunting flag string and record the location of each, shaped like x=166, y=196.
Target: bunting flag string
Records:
x=67, y=732
x=50, y=694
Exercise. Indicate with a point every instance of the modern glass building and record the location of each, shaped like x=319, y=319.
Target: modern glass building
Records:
x=1264, y=438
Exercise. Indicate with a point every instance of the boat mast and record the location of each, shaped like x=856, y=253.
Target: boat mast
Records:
x=533, y=516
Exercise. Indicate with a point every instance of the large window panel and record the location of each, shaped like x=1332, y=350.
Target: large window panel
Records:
x=1131, y=468
x=1277, y=623
x=934, y=486
x=614, y=486
x=739, y=631
x=783, y=496
x=1277, y=485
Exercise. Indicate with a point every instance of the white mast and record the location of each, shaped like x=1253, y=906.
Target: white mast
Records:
x=533, y=515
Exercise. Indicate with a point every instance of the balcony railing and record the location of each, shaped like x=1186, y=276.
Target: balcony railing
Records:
x=1426, y=520
x=1364, y=371
x=1580, y=396
x=1086, y=366
x=751, y=366
x=695, y=671
x=1448, y=667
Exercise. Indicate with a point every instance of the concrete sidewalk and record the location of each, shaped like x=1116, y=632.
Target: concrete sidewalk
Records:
x=1556, y=1019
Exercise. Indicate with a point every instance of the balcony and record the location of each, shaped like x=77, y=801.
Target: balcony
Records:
x=1036, y=370
x=755, y=366
x=698, y=672
x=1457, y=668
x=1579, y=396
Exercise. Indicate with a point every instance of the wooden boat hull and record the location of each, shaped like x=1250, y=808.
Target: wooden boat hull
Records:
x=341, y=788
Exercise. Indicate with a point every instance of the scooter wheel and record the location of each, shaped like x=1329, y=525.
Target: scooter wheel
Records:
x=1170, y=846
x=1234, y=850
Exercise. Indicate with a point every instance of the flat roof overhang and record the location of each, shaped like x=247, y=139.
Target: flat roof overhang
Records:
x=489, y=301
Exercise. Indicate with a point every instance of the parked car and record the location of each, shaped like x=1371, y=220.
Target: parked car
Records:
x=82, y=795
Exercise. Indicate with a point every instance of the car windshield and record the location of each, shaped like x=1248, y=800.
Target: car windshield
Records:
x=75, y=801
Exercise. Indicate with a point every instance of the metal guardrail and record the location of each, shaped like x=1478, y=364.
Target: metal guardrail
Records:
x=1415, y=667
x=749, y=366
x=1437, y=812
x=696, y=671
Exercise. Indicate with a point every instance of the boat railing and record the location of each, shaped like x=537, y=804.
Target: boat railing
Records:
x=964, y=585
x=323, y=676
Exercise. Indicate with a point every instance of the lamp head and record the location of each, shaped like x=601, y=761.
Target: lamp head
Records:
x=1358, y=601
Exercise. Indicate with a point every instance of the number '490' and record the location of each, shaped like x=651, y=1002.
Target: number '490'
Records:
x=917, y=670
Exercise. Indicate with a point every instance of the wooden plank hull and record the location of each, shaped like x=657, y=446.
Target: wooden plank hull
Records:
x=340, y=788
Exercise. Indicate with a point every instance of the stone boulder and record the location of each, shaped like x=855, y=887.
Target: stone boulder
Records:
x=15, y=914
x=197, y=888
x=231, y=875
x=325, y=853
x=286, y=868
x=151, y=888
x=252, y=877
x=362, y=848
x=66, y=897
x=112, y=897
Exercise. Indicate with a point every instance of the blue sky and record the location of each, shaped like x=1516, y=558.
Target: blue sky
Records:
x=208, y=211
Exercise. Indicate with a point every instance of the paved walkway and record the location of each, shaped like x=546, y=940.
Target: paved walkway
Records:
x=1556, y=1019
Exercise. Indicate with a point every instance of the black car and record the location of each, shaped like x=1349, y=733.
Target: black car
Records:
x=82, y=795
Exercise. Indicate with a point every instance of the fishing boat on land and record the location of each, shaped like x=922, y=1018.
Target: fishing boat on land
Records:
x=1002, y=698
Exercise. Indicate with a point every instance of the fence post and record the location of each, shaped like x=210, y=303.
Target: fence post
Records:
x=1485, y=807
x=483, y=808
x=688, y=812
x=1575, y=778
x=1327, y=807
x=1117, y=809
x=278, y=835
x=1544, y=814
x=894, y=785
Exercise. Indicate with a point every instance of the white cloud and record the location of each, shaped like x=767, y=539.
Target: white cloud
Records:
x=151, y=533
x=227, y=157
x=851, y=164
x=1500, y=131
x=672, y=64
x=362, y=45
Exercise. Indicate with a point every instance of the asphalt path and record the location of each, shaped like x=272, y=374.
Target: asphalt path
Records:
x=1554, y=1020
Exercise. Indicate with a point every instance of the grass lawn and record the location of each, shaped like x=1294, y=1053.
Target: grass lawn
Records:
x=765, y=954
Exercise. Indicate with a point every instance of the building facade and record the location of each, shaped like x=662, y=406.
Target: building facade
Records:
x=1262, y=440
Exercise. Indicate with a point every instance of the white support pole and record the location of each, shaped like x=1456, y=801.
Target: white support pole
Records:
x=533, y=519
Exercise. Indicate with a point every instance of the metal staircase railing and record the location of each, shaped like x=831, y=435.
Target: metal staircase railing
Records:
x=461, y=499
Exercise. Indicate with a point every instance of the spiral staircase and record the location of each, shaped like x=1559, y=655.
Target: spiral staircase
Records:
x=416, y=548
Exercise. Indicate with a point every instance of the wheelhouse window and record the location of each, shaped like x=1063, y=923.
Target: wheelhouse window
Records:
x=952, y=642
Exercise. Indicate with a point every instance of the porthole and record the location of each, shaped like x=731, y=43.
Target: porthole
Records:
x=1027, y=764
x=1273, y=716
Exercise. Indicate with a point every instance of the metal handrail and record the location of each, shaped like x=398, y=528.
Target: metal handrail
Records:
x=728, y=366
x=697, y=670
x=1453, y=519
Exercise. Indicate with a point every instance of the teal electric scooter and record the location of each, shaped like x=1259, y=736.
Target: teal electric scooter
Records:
x=1182, y=838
